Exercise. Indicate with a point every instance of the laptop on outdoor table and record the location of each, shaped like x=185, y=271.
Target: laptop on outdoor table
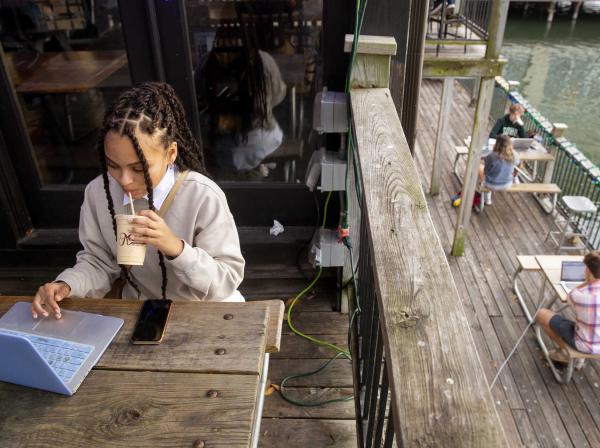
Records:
x=52, y=354
x=572, y=274
x=522, y=144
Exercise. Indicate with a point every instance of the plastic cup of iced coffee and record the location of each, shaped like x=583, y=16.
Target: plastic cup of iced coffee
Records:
x=129, y=252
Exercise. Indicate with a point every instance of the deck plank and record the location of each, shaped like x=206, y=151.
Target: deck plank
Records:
x=302, y=433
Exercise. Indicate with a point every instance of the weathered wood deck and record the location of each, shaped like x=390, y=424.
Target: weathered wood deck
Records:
x=534, y=409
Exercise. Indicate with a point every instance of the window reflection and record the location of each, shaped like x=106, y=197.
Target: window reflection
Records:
x=67, y=62
x=255, y=65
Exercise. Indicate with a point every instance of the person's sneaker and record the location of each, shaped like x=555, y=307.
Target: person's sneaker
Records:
x=579, y=363
x=516, y=180
x=487, y=196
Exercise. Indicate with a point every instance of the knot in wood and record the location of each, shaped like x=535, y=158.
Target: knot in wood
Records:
x=220, y=351
x=212, y=394
x=228, y=316
x=128, y=416
x=199, y=444
x=407, y=318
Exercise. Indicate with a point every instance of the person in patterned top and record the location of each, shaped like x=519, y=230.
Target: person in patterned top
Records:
x=583, y=334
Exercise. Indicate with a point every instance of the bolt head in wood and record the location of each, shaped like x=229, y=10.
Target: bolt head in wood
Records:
x=199, y=444
x=228, y=316
x=220, y=351
x=212, y=394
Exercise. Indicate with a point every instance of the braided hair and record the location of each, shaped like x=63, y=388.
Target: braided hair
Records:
x=148, y=108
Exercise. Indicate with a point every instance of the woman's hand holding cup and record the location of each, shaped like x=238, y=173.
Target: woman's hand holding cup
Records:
x=149, y=228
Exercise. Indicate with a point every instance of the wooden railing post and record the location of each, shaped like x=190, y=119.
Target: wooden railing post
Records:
x=558, y=129
x=436, y=166
x=372, y=65
x=497, y=23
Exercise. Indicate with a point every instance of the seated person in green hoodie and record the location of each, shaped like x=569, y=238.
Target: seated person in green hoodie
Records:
x=510, y=124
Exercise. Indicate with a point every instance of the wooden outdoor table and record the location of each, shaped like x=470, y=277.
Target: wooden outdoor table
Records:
x=536, y=153
x=200, y=387
x=63, y=72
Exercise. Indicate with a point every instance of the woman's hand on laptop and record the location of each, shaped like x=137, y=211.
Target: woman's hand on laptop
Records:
x=49, y=294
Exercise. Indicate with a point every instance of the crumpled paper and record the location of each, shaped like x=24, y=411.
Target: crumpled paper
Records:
x=276, y=229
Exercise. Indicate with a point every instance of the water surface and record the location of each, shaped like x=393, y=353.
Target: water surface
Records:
x=559, y=71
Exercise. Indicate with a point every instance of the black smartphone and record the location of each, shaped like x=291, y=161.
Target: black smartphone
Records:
x=152, y=321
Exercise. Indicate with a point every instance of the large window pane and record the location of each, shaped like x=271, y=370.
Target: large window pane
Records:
x=67, y=62
x=256, y=69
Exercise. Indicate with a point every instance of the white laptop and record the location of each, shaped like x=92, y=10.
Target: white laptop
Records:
x=521, y=144
x=52, y=354
x=572, y=274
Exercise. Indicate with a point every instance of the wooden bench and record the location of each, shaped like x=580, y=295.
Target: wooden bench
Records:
x=567, y=374
x=460, y=152
x=529, y=187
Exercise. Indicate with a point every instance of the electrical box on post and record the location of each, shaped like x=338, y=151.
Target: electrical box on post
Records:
x=330, y=167
x=330, y=112
x=325, y=249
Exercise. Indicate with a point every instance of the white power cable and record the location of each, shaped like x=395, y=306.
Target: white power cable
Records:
x=519, y=341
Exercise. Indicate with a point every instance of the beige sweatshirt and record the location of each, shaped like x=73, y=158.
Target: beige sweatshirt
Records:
x=211, y=266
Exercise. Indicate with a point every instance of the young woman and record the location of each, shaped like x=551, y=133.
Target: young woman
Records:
x=497, y=171
x=193, y=253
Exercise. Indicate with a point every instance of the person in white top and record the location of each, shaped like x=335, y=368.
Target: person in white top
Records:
x=241, y=85
x=193, y=251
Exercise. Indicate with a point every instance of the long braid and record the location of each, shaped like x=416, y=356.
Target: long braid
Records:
x=138, y=149
x=111, y=205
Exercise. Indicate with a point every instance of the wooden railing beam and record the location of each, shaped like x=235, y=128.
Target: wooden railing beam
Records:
x=440, y=395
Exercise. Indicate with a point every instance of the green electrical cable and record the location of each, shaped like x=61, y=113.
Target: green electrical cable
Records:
x=314, y=372
x=299, y=333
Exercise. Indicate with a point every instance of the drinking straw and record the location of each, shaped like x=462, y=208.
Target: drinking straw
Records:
x=131, y=204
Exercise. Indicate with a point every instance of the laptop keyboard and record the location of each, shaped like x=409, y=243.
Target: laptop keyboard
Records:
x=64, y=357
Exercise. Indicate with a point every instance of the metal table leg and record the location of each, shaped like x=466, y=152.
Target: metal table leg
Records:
x=518, y=294
x=260, y=401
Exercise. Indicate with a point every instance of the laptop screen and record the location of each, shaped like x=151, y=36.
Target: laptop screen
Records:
x=522, y=143
x=572, y=271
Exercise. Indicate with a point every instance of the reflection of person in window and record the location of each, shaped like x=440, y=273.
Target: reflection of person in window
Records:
x=242, y=85
x=437, y=8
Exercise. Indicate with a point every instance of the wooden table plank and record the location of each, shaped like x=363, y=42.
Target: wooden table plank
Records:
x=276, y=309
x=196, y=333
x=136, y=409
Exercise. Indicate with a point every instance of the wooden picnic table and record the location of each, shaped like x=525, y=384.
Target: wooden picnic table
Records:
x=536, y=153
x=200, y=388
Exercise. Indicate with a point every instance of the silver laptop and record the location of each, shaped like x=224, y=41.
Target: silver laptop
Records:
x=572, y=274
x=52, y=354
x=521, y=144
